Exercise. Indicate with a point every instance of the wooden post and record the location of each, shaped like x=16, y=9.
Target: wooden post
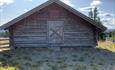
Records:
x=11, y=37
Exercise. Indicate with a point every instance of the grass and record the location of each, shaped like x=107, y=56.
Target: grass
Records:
x=84, y=59
x=107, y=45
x=100, y=58
x=81, y=67
x=7, y=68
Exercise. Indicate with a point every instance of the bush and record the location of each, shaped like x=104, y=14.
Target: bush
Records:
x=81, y=67
x=4, y=34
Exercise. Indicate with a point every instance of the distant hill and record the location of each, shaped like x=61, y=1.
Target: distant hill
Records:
x=1, y=31
x=110, y=30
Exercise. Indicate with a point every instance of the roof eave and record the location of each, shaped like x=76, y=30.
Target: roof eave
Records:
x=7, y=25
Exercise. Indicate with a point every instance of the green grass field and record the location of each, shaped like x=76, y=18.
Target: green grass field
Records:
x=65, y=59
x=100, y=58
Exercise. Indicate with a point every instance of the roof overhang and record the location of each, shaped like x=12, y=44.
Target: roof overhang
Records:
x=97, y=25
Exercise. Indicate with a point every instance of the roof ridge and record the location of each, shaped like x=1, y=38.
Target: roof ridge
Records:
x=53, y=0
x=59, y=2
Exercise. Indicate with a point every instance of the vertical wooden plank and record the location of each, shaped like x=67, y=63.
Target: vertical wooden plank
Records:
x=55, y=31
x=11, y=37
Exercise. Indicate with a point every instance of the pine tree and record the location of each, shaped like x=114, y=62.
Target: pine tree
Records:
x=95, y=14
x=91, y=13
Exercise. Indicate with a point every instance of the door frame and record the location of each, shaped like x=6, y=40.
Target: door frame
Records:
x=49, y=34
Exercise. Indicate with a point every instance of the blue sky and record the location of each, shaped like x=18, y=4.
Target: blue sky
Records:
x=10, y=9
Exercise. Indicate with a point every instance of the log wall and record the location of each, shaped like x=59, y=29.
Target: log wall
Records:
x=32, y=31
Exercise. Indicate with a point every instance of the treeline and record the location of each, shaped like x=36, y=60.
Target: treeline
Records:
x=104, y=35
x=4, y=34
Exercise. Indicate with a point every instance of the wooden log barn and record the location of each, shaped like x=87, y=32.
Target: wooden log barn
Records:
x=53, y=24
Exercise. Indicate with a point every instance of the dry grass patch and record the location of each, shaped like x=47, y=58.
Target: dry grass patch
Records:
x=108, y=45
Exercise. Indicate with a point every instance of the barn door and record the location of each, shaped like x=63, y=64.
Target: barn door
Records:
x=55, y=32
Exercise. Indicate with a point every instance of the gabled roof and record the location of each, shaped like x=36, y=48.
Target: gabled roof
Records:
x=98, y=25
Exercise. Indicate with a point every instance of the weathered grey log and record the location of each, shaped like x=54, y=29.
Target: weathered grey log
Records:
x=53, y=24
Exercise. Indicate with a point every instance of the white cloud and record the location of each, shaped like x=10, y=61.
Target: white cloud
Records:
x=30, y=0
x=102, y=13
x=109, y=25
x=93, y=4
x=68, y=2
x=108, y=19
x=113, y=21
x=6, y=2
x=109, y=22
x=85, y=9
x=96, y=3
x=2, y=21
x=25, y=10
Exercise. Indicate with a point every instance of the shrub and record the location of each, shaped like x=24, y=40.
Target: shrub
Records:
x=81, y=67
